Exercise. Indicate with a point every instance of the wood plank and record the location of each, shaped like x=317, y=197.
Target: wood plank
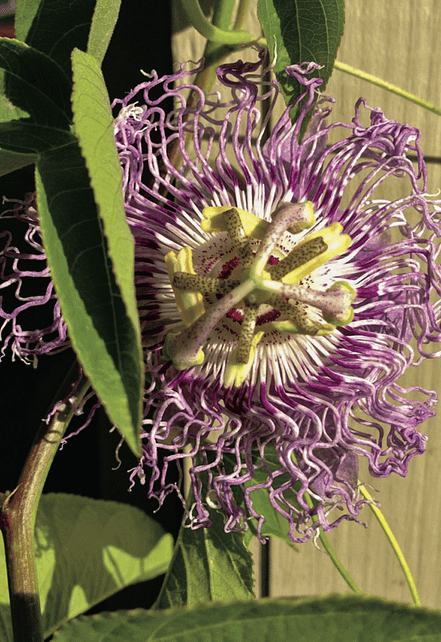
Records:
x=398, y=41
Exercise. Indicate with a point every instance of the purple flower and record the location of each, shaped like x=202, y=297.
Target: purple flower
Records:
x=280, y=297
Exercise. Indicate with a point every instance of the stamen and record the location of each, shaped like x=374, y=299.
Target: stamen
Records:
x=277, y=287
x=246, y=333
x=214, y=221
x=203, y=284
x=336, y=244
x=301, y=254
x=236, y=373
x=190, y=305
x=237, y=234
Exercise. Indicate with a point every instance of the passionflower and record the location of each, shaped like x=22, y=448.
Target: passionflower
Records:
x=280, y=297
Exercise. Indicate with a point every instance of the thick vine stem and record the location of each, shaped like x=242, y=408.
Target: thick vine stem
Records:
x=18, y=514
x=212, y=31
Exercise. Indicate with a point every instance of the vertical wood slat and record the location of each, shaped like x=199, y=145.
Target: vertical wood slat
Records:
x=397, y=41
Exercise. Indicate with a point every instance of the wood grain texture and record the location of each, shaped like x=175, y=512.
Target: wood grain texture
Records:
x=398, y=41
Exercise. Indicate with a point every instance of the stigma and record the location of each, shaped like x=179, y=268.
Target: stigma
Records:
x=255, y=280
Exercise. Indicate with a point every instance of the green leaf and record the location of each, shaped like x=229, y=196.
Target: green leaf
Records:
x=301, y=31
x=330, y=619
x=208, y=565
x=87, y=550
x=35, y=83
x=25, y=137
x=24, y=15
x=103, y=23
x=8, y=111
x=59, y=26
x=274, y=523
x=55, y=27
x=10, y=161
x=91, y=299
x=94, y=126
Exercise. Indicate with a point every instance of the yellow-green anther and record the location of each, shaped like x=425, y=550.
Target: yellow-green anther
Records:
x=203, y=284
x=336, y=244
x=316, y=330
x=301, y=254
x=190, y=304
x=214, y=221
x=246, y=333
x=235, y=228
x=236, y=372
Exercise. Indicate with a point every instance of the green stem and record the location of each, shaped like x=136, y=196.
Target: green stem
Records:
x=374, y=80
x=17, y=520
x=211, y=31
x=332, y=554
x=393, y=542
x=242, y=13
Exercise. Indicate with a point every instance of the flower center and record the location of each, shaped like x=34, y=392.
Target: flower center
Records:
x=258, y=285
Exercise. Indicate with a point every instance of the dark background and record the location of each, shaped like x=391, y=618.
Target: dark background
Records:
x=85, y=465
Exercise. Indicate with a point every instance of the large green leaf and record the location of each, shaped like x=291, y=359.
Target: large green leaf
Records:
x=55, y=27
x=25, y=137
x=103, y=23
x=59, y=26
x=10, y=161
x=330, y=619
x=86, y=550
x=208, y=565
x=24, y=15
x=301, y=31
x=34, y=83
x=94, y=127
x=8, y=111
x=91, y=299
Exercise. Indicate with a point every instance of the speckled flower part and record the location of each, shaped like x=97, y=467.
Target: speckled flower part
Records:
x=295, y=417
